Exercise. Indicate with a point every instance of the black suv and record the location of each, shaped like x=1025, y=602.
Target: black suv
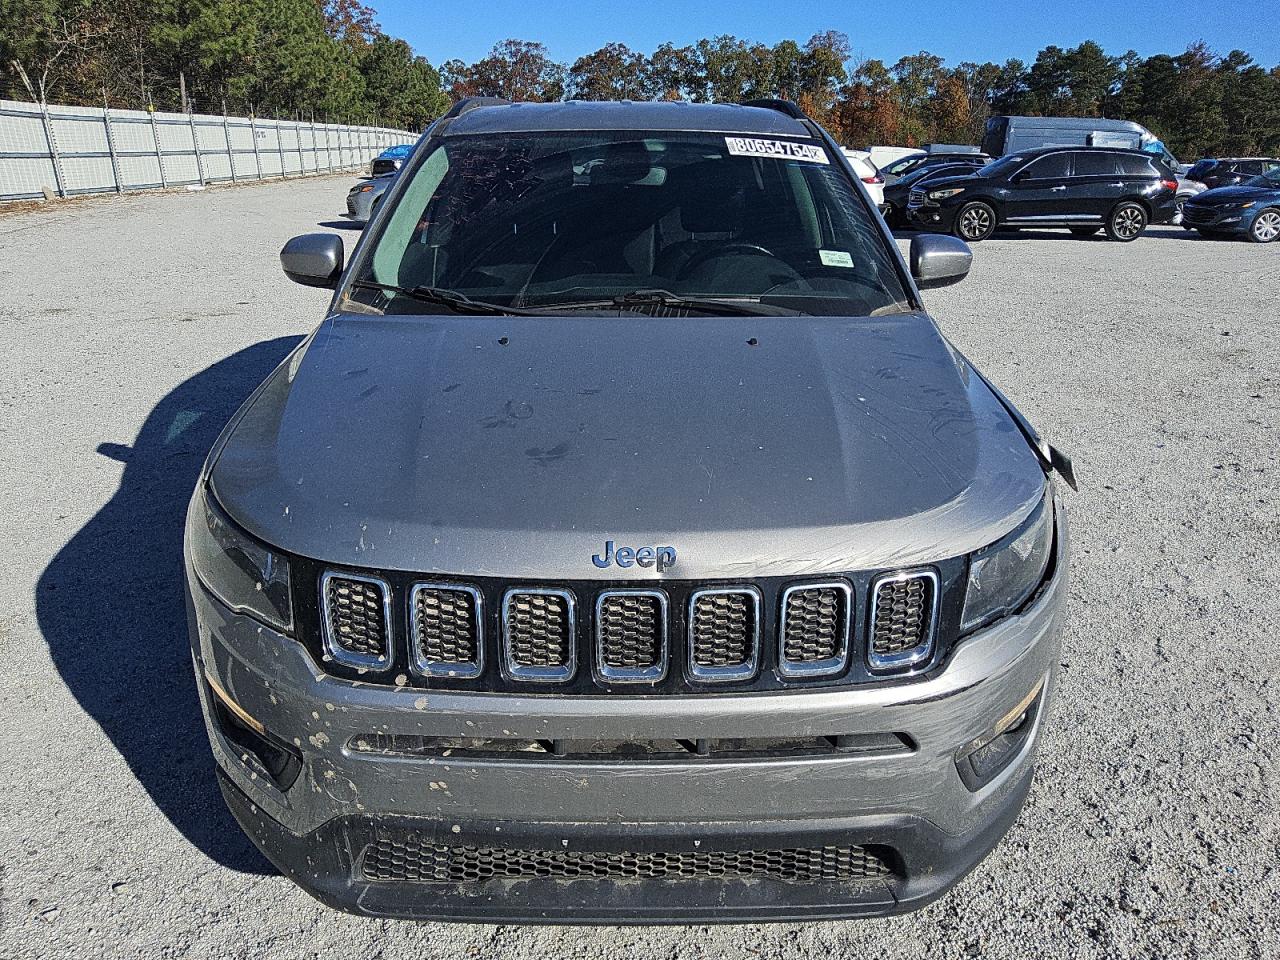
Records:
x=1230, y=171
x=1084, y=189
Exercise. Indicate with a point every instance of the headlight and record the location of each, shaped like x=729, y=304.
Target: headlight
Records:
x=239, y=571
x=943, y=194
x=1004, y=575
x=1246, y=206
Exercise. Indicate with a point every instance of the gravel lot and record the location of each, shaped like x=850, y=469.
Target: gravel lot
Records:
x=1152, y=829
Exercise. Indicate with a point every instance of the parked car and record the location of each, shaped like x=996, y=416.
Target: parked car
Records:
x=933, y=158
x=365, y=197
x=882, y=156
x=898, y=193
x=627, y=543
x=1085, y=191
x=1229, y=171
x=1187, y=188
x=868, y=174
x=1005, y=135
x=390, y=159
x=1251, y=209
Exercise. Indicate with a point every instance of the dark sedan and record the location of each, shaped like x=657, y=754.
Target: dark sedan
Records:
x=1251, y=209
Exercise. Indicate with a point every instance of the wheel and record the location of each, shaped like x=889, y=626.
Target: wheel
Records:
x=1266, y=226
x=1084, y=231
x=975, y=221
x=1178, y=204
x=1127, y=221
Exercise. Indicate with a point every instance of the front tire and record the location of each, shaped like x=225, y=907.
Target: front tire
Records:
x=1127, y=221
x=975, y=221
x=1266, y=226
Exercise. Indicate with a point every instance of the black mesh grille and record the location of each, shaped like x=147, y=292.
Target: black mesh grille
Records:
x=630, y=629
x=357, y=616
x=904, y=610
x=420, y=860
x=723, y=629
x=814, y=624
x=539, y=630
x=446, y=626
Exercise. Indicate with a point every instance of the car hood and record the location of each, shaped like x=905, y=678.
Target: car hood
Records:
x=516, y=446
x=1240, y=192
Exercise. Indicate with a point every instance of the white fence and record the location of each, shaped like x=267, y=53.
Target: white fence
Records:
x=78, y=150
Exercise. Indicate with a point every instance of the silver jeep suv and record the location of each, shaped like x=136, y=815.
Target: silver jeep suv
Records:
x=627, y=544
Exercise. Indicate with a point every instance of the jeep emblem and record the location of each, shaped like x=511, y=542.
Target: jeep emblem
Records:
x=659, y=557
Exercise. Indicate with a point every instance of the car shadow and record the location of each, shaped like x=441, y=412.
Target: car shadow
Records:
x=340, y=225
x=111, y=608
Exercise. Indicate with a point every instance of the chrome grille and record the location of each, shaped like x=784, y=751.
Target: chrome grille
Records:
x=815, y=628
x=537, y=628
x=446, y=630
x=724, y=634
x=357, y=619
x=416, y=859
x=916, y=198
x=903, y=611
x=631, y=636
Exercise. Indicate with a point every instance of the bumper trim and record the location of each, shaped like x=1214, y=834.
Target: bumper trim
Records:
x=927, y=863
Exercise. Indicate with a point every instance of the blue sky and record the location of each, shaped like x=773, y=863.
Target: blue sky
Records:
x=973, y=30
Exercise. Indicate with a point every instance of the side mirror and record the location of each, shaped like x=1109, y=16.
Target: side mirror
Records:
x=938, y=260
x=313, y=259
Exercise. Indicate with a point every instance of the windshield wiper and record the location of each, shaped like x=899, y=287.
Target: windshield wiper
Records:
x=457, y=302
x=665, y=298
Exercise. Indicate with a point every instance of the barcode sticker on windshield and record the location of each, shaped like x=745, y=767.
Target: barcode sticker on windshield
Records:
x=782, y=149
x=835, y=258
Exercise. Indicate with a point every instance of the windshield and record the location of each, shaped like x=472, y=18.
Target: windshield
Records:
x=905, y=165
x=999, y=167
x=573, y=219
x=1270, y=180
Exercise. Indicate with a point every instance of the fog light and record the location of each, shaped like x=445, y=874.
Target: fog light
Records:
x=260, y=751
x=980, y=760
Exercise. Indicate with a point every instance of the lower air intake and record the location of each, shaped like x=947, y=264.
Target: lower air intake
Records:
x=425, y=862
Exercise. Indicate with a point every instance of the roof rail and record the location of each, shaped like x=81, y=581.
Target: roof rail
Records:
x=787, y=107
x=467, y=104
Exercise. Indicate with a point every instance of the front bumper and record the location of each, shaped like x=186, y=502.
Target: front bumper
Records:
x=911, y=803
x=931, y=216
x=1232, y=219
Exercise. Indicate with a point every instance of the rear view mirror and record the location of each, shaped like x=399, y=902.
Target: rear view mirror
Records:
x=313, y=259
x=938, y=260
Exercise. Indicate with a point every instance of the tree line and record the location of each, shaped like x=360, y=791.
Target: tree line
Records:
x=329, y=59
x=321, y=59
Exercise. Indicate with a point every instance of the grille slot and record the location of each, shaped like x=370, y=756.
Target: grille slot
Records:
x=447, y=636
x=631, y=636
x=815, y=629
x=724, y=634
x=357, y=619
x=417, y=859
x=538, y=634
x=903, y=615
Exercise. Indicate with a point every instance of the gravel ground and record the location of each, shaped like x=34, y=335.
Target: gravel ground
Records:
x=1152, y=829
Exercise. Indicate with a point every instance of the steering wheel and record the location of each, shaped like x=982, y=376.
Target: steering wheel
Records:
x=724, y=249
